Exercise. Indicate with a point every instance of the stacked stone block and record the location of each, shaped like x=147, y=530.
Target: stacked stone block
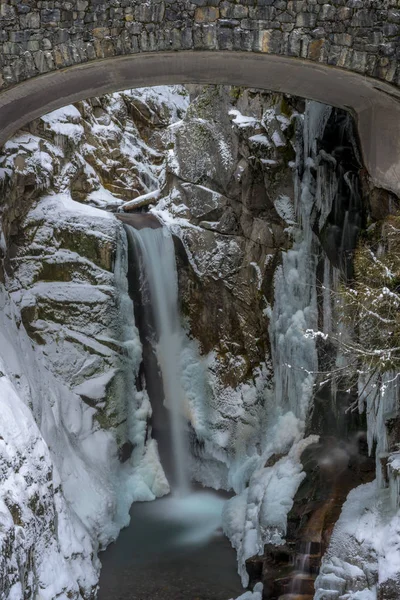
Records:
x=38, y=36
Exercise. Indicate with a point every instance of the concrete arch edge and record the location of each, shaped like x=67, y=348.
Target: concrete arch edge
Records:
x=375, y=105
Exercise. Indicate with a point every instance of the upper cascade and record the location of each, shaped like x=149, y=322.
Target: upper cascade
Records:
x=154, y=249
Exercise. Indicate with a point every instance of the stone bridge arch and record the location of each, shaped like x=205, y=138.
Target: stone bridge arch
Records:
x=341, y=52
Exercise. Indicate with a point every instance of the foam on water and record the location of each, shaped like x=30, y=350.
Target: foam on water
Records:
x=199, y=514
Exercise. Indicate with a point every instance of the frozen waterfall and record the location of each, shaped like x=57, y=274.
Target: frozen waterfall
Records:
x=294, y=354
x=156, y=255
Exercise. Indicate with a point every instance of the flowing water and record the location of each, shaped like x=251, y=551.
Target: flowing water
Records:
x=174, y=548
x=156, y=253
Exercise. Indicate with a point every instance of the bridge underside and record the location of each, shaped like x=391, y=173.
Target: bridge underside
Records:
x=374, y=104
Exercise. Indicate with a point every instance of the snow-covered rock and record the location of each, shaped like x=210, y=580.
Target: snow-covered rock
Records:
x=218, y=200
x=75, y=450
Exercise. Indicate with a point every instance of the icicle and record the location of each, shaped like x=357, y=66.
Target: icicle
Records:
x=327, y=297
x=379, y=395
x=295, y=308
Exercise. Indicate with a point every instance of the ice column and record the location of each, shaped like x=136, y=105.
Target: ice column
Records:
x=294, y=354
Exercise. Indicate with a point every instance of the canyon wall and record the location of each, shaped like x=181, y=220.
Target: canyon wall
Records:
x=265, y=203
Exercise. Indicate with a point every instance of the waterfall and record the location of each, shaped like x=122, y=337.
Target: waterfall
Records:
x=155, y=252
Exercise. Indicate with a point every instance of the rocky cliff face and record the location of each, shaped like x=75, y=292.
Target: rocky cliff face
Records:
x=227, y=192
x=229, y=175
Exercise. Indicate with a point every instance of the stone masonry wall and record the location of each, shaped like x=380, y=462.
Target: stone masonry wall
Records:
x=41, y=36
